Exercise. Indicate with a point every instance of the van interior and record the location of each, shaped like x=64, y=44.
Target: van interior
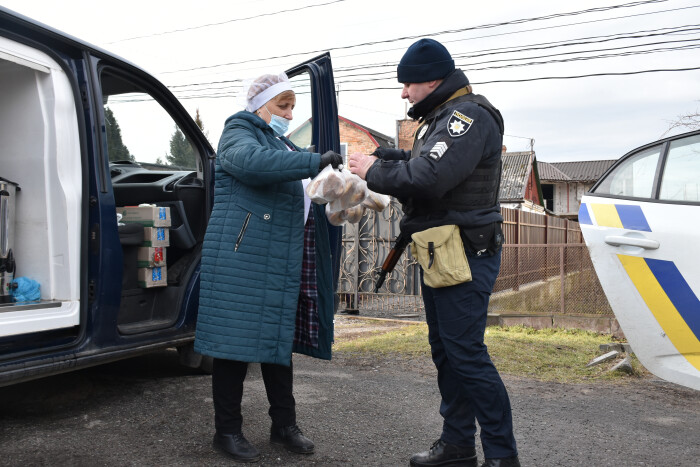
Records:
x=43, y=183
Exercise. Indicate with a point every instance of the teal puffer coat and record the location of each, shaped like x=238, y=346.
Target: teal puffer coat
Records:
x=253, y=249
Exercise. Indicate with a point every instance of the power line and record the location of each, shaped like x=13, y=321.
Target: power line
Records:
x=470, y=67
x=341, y=78
x=546, y=78
x=448, y=31
x=555, y=44
x=522, y=31
x=173, y=31
x=394, y=88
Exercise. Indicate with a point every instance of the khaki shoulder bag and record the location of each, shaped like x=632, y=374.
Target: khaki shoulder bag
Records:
x=440, y=253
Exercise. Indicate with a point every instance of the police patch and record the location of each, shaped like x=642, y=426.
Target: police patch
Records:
x=439, y=150
x=458, y=124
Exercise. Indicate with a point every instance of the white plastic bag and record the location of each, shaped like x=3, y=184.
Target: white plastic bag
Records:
x=354, y=192
x=375, y=201
x=327, y=186
x=354, y=214
x=336, y=218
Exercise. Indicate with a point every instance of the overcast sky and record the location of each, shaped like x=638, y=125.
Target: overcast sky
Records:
x=185, y=42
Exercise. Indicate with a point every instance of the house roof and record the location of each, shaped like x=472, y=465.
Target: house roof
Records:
x=581, y=171
x=515, y=174
x=550, y=173
x=382, y=140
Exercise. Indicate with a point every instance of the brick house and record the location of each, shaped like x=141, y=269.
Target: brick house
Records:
x=359, y=138
x=353, y=137
x=405, y=129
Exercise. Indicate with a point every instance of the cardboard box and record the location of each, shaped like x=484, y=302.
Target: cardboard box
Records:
x=153, y=277
x=150, y=216
x=156, y=236
x=150, y=256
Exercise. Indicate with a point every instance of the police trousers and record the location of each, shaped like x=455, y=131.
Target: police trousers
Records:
x=227, y=389
x=469, y=383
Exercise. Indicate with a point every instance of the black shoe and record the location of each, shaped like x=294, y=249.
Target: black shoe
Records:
x=292, y=439
x=236, y=446
x=502, y=462
x=443, y=454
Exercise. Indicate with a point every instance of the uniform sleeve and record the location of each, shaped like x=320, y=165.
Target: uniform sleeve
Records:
x=446, y=159
x=252, y=163
x=391, y=154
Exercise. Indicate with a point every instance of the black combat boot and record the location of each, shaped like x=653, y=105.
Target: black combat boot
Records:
x=443, y=454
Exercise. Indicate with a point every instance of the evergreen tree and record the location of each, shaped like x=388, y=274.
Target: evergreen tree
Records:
x=181, y=152
x=116, y=149
x=200, y=124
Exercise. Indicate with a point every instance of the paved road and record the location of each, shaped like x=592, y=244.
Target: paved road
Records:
x=150, y=411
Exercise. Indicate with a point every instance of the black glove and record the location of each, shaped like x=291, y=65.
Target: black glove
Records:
x=391, y=154
x=330, y=158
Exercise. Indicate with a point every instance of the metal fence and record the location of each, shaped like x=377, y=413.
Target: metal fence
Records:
x=545, y=268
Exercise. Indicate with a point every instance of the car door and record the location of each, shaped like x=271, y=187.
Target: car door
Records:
x=315, y=123
x=641, y=223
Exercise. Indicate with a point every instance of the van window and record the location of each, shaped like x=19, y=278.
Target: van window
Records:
x=140, y=130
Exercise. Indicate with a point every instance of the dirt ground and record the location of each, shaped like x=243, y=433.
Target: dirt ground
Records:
x=360, y=412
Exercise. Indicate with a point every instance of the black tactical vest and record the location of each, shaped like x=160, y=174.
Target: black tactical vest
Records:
x=479, y=190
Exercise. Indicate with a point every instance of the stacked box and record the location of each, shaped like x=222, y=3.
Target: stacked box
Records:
x=150, y=257
x=156, y=236
x=153, y=277
x=149, y=216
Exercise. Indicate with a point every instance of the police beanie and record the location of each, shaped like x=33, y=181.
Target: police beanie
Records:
x=425, y=60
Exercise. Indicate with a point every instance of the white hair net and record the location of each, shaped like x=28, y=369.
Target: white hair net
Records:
x=258, y=91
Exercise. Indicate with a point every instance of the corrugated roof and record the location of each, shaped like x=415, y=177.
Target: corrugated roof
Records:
x=516, y=171
x=583, y=171
x=549, y=172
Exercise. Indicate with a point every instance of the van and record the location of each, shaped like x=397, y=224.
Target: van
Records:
x=106, y=186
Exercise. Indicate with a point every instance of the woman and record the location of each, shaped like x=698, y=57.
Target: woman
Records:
x=266, y=284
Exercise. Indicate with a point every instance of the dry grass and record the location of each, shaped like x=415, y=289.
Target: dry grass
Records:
x=548, y=355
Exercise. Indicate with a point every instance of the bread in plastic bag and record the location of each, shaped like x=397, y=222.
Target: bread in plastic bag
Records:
x=375, y=201
x=354, y=214
x=354, y=192
x=336, y=218
x=327, y=186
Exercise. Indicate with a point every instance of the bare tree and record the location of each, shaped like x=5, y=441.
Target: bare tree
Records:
x=688, y=122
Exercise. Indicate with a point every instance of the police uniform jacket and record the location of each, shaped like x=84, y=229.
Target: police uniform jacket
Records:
x=452, y=173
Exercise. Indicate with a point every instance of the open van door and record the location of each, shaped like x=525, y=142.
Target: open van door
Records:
x=641, y=223
x=315, y=124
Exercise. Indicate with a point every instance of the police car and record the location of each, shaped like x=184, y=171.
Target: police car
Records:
x=641, y=223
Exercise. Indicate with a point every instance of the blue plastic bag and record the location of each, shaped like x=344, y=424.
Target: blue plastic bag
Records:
x=26, y=290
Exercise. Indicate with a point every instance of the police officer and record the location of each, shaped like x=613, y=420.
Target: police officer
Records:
x=452, y=176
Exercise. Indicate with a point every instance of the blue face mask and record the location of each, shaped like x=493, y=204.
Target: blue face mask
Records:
x=279, y=125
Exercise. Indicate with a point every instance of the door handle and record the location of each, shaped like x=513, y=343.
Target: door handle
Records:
x=617, y=240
